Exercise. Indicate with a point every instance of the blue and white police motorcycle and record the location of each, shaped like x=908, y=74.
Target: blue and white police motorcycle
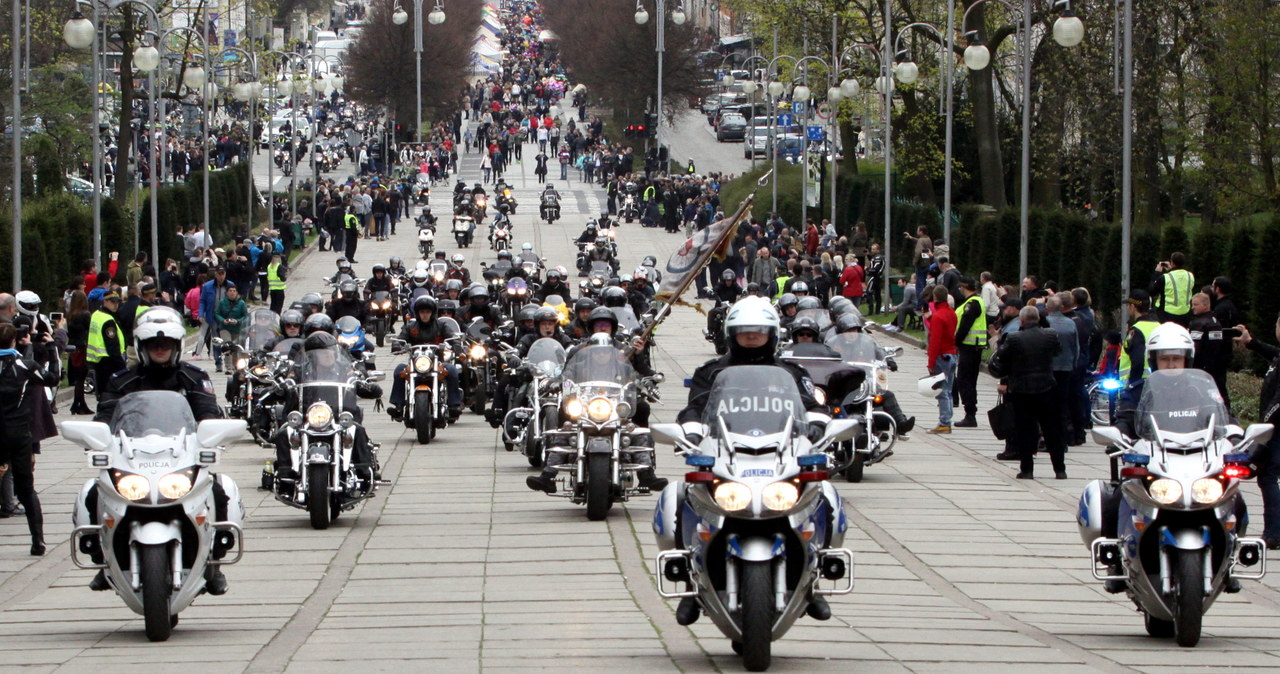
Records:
x=755, y=523
x=151, y=519
x=1168, y=528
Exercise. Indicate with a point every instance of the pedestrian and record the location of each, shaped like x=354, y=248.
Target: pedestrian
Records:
x=1268, y=460
x=1024, y=362
x=851, y=281
x=1171, y=290
x=1064, y=363
x=77, y=318
x=1213, y=351
x=940, y=326
x=232, y=315
x=21, y=380
x=540, y=169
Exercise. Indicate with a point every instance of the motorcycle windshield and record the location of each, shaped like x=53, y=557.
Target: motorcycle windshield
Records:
x=258, y=336
x=164, y=413
x=819, y=316
x=529, y=268
x=1181, y=401
x=286, y=346
x=332, y=364
x=547, y=355
x=855, y=347
x=754, y=400
x=626, y=318
x=601, y=269
x=600, y=370
x=517, y=286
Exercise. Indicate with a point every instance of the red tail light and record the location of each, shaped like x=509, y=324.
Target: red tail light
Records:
x=813, y=476
x=1237, y=471
x=1134, y=471
x=699, y=477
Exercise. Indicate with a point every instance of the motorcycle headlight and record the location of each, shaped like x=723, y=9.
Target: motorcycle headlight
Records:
x=319, y=415
x=261, y=370
x=600, y=409
x=820, y=395
x=133, y=487
x=733, y=495
x=573, y=408
x=421, y=364
x=1165, y=491
x=242, y=362
x=446, y=355
x=373, y=305
x=780, y=496
x=175, y=485
x=477, y=352
x=596, y=281
x=347, y=340
x=386, y=304
x=1206, y=490
x=439, y=276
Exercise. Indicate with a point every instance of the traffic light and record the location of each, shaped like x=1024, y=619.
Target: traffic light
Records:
x=651, y=121
x=635, y=131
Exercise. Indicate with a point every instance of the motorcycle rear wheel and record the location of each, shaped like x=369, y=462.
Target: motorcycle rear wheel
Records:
x=598, y=487
x=1188, y=583
x=756, y=597
x=318, y=495
x=157, y=585
x=423, y=420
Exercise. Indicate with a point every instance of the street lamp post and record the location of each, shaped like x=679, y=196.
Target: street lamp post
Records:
x=678, y=17
x=435, y=18
x=908, y=72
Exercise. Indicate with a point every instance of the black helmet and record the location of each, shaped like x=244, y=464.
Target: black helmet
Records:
x=478, y=290
x=805, y=324
x=614, y=296
x=728, y=275
x=317, y=323
x=348, y=289
x=319, y=341
x=808, y=302
x=602, y=314
x=554, y=273
x=546, y=314
x=591, y=226
x=584, y=304
x=396, y=263
x=527, y=313
x=424, y=303
x=447, y=307
x=848, y=323
x=312, y=300
x=504, y=254
x=453, y=284
x=786, y=300
x=800, y=288
x=753, y=288
x=379, y=268
x=840, y=304
x=651, y=261
x=343, y=263
x=439, y=254
x=291, y=317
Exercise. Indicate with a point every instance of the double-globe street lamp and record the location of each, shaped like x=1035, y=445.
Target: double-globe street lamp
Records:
x=400, y=17
x=678, y=17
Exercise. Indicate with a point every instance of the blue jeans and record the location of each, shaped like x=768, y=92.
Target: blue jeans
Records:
x=1268, y=460
x=945, y=364
x=921, y=279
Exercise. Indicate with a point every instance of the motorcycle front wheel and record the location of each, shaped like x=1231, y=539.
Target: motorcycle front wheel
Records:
x=318, y=495
x=423, y=419
x=756, y=598
x=1188, y=583
x=854, y=472
x=598, y=487
x=157, y=585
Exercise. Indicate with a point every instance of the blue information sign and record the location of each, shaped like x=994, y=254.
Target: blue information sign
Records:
x=785, y=120
x=799, y=107
x=816, y=132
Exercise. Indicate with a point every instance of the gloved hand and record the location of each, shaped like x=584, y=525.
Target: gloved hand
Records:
x=893, y=365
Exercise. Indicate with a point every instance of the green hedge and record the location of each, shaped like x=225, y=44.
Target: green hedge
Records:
x=57, y=236
x=182, y=204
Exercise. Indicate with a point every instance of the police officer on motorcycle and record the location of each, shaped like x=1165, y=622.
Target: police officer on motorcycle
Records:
x=426, y=328
x=158, y=335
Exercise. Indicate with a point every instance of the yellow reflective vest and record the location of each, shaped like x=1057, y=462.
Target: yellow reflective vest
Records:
x=102, y=326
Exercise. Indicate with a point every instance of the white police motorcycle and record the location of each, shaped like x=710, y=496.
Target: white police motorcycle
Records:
x=756, y=522
x=151, y=518
x=1168, y=526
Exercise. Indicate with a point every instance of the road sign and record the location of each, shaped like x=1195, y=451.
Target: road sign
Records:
x=824, y=110
x=815, y=133
x=785, y=120
x=799, y=107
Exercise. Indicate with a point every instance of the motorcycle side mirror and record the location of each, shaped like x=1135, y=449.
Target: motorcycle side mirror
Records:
x=894, y=351
x=219, y=342
x=94, y=436
x=1109, y=435
x=1257, y=434
x=839, y=430
x=376, y=375
x=671, y=434
x=217, y=432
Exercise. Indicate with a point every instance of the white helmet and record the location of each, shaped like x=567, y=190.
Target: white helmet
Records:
x=1169, y=337
x=751, y=314
x=458, y=259
x=159, y=323
x=28, y=303
x=527, y=247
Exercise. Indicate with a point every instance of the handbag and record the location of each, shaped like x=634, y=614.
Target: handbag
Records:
x=1001, y=419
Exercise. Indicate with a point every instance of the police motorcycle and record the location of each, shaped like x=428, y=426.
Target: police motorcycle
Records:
x=550, y=207
x=156, y=531
x=756, y=523
x=595, y=452
x=426, y=235
x=321, y=434
x=381, y=314
x=426, y=403
x=534, y=408
x=504, y=198
x=1175, y=498
x=464, y=228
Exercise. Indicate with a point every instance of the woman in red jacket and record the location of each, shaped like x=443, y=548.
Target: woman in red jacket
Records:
x=940, y=326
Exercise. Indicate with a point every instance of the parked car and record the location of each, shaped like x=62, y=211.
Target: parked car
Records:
x=732, y=127
x=790, y=148
x=757, y=142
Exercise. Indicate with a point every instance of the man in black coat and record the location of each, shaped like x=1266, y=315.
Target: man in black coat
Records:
x=1024, y=362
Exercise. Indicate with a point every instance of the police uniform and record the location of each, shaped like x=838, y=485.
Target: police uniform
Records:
x=705, y=376
x=276, y=273
x=187, y=379
x=105, y=351
x=971, y=339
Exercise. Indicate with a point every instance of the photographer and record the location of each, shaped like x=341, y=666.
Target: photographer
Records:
x=1171, y=290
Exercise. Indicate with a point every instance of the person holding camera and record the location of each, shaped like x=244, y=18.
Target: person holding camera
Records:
x=1171, y=290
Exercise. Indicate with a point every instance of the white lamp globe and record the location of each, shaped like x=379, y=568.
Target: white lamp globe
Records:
x=78, y=32
x=800, y=93
x=834, y=94
x=338, y=82
x=729, y=80
x=240, y=91
x=749, y=86
x=884, y=85
x=1068, y=30
x=400, y=17
x=320, y=83
x=850, y=87
x=642, y=16
x=678, y=17
x=284, y=87
x=435, y=17
x=146, y=58
x=907, y=73
x=775, y=88
x=194, y=77
x=977, y=57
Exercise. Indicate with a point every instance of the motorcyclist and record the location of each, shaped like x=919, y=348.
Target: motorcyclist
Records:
x=555, y=285
x=290, y=328
x=549, y=196
x=478, y=307
x=525, y=322
x=605, y=331
x=655, y=276
x=348, y=302
x=419, y=283
x=852, y=323
x=546, y=323
x=589, y=234
x=580, y=326
x=344, y=271
x=396, y=267
x=158, y=336
x=447, y=308
x=788, y=305
x=426, y=328
x=458, y=269
x=601, y=253
x=380, y=281
x=453, y=290
x=728, y=291
x=425, y=218
x=311, y=303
